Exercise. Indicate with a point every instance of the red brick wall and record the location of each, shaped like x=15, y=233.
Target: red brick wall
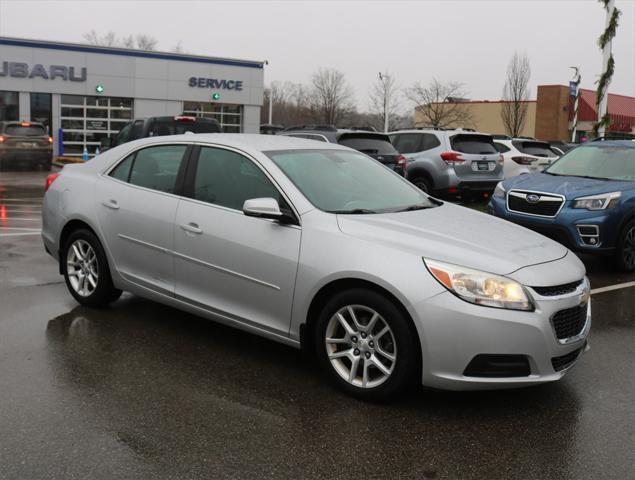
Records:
x=552, y=113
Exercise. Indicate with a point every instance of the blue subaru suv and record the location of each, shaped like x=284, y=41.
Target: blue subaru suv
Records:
x=585, y=200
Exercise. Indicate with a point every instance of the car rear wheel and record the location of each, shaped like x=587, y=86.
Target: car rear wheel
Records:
x=625, y=253
x=86, y=271
x=365, y=345
x=422, y=184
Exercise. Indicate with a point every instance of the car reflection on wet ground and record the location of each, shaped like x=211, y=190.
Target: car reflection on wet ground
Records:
x=140, y=390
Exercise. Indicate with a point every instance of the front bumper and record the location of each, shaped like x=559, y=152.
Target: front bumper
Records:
x=564, y=228
x=453, y=332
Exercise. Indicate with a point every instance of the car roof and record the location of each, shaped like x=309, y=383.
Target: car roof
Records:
x=610, y=143
x=245, y=141
x=433, y=130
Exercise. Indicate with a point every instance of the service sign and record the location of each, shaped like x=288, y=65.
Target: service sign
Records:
x=215, y=83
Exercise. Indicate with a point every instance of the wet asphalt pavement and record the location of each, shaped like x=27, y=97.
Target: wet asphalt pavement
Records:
x=140, y=390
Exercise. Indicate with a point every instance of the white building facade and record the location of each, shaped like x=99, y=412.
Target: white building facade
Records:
x=84, y=93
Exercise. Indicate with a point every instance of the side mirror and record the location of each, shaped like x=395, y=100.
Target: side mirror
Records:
x=106, y=142
x=262, y=208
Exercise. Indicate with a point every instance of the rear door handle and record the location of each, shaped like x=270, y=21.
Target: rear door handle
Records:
x=192, y=228
x=112, y=204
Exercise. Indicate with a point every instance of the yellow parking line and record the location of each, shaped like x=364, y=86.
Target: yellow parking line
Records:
x=19, y=234
x=610, y=288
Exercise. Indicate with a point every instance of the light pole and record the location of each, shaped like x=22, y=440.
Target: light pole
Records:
x=385, y=79
x=576, y=81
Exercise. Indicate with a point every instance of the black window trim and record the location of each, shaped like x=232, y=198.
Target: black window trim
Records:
x=180, y=176
x=189, y=179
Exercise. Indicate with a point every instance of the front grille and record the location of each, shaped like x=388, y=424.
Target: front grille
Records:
x=562, y=362
x=546, y=205
x=557, y=289
x=570, y=322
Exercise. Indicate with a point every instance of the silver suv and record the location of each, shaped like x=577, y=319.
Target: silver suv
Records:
x=450, y=163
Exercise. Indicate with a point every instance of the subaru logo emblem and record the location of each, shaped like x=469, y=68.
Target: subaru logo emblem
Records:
x=533, y=198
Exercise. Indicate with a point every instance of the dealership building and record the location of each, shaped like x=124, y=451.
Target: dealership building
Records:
x=84, y=93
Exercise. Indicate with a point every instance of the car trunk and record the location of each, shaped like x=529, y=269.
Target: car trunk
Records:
x=538, y=150
x=478, y=159
x=375, y=145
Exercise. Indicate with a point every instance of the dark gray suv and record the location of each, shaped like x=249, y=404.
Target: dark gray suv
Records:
x=374, y=144
x=449, y=163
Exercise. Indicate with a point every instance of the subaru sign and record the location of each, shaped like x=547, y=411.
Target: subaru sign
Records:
x=22, y=70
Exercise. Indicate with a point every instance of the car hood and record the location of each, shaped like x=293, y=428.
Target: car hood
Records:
x=570, y=187
x=456, y=235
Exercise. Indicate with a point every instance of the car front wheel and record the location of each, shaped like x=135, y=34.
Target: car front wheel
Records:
x=364, y=342
x=86, y=270
x=625, y=253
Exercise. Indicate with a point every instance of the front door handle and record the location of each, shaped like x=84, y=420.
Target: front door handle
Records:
x=192, y=228
x=112, y=204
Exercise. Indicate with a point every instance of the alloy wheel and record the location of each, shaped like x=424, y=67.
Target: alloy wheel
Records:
x=82, y=267
x=629, y=248
x=361, y=346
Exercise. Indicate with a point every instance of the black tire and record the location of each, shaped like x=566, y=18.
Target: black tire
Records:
x=625, y=252
x=422, y=184
x=104, y=292
x=406, y=346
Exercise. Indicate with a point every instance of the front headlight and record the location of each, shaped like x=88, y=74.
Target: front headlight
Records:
x=598, y=202
x=499, y=191
x=481, y=288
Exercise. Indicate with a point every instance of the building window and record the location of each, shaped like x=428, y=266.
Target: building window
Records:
x=41, y=109
x=87, y=120
x=229, y=116
x=9, y=109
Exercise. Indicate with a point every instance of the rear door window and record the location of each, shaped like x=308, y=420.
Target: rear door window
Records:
x=539, y=149
x=473, y=144
x=370, y=144
x=501, y=148
x=25, y=130
x=408, y=142
x=157, y=167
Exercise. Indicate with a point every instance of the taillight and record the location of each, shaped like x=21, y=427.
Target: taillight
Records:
x=1, y=139
x=501, y=159
x=523, y=160
x=401, y=161
x=50, y=179
x=184, y=118
x=50, y=139
x=452, y=158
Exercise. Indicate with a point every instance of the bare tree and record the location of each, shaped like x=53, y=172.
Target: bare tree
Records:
x=440, y=104
x=178, y=48
x=331, y=95
x=146, y=42
x=140, y=42
x=291, y=105
x=383, y=100
x=516, y=94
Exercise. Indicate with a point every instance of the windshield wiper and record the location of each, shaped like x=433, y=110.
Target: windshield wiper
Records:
x=418, y=206
x=355, y=211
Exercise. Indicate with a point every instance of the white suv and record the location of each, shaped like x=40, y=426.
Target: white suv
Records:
x=448, y=163
x=522, y=155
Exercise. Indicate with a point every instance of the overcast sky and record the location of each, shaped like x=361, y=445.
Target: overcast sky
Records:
x=466, y=41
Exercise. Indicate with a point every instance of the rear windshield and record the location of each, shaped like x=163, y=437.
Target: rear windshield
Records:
x=30, y=131
x=174, y=127
x=474, y=144
x=372, y=145
x=539, y=149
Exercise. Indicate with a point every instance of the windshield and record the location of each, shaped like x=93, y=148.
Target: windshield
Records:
x=340, y=181
x=611, y=163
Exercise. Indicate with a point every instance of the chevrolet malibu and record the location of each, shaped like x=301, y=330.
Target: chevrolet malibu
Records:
x=320, y=247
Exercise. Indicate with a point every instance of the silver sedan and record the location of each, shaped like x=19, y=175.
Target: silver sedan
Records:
x=320, y=247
